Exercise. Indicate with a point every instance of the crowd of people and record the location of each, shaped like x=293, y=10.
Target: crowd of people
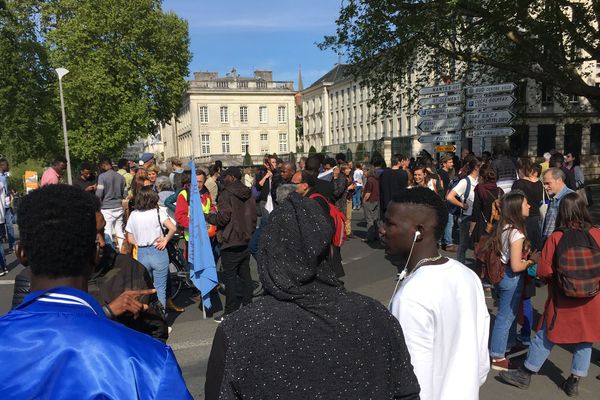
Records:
x=97, y=251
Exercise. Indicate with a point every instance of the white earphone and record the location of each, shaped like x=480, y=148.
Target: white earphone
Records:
x=404, y=272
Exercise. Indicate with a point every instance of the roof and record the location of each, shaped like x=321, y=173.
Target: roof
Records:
x=338, y=73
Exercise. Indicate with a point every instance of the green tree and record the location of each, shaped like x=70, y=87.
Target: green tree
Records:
x=360, y=152
x=29, y=125
x=127, y=61
x=389, y=42
x=247, y=159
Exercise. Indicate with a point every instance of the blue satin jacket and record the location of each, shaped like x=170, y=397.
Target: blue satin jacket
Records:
x=58, y=344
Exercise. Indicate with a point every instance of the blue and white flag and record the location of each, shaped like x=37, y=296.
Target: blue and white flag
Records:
x=203, y=271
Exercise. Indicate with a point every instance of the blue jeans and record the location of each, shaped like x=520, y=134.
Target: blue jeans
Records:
x=540, y=348
x=447, y=239
x=356, y=197
x=509, y=297
x=10, y=231
x=157, y=263
x=464, y=239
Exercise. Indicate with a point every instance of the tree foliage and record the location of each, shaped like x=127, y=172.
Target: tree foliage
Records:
x=29, y=117
x=127, y=61
x=390, y=42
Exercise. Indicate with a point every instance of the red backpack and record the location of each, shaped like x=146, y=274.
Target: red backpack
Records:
x=339, y=220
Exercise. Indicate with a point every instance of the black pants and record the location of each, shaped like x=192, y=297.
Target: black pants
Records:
x=235, y=262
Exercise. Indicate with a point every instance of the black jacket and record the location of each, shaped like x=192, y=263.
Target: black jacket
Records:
x=235, y=218
x=307, y=338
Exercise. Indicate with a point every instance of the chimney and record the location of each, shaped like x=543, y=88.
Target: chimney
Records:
x=205, y=76
x=264, y=74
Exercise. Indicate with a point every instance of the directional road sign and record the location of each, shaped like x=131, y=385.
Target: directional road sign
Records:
x=449, y=148
x=453, y=87
x=444, y=138
x=500, y=101
x=490, y=132
x=451, y=99
x=432, y=112
x=486, y=89
x=502, y=117
x=450, y=124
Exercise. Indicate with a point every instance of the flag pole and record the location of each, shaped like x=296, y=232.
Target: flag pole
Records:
x=201, y=294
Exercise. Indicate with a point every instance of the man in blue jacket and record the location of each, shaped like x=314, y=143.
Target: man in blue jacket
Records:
x=58, y=343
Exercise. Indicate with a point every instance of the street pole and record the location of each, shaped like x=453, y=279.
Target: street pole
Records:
x=62, y=72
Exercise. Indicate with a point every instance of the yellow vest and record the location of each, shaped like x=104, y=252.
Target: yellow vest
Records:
x=205, y=210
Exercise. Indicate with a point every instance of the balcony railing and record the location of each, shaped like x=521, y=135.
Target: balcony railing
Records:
x=244, y=85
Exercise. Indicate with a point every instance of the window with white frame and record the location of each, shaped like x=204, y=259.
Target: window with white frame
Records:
x=225, y=143
x=264, y=142
x=203, y=114
x=281, y=114
x=205, y=144
x=224, y=111
x=243, y=114
x=283, y=143
x=262, y=114
x=245, y=143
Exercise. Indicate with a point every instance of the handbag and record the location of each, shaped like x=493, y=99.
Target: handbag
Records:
x=545, y=202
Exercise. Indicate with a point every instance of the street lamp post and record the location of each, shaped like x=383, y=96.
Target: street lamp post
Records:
x=62, y=72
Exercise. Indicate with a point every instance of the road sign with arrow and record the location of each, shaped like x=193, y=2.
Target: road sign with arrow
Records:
x=492, y=132
x=502, y=117
x=444, y=138
x=487, y=89
x=450, y=124
x=453, y=87
x=451, y=99
x=500, y=101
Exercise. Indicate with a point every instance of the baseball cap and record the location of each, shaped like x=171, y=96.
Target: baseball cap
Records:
x=146, y=157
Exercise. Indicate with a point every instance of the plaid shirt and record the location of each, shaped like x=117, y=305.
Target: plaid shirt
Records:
x=552, y=213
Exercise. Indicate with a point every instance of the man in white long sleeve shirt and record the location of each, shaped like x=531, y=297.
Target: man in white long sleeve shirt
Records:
x=440, y=303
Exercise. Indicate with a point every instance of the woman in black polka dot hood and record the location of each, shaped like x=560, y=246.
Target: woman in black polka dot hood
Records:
x=308, y=337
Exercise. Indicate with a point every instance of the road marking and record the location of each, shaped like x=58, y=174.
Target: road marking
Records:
x=7, y=282
x=190, y=344
x=357, y=258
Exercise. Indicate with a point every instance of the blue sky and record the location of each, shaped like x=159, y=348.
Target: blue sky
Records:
x=260, y=34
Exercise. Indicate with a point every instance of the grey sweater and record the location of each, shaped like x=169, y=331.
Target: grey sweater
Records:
x=111, y=189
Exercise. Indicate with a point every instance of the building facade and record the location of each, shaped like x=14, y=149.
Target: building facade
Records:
x=223, y=118
x=336, y=118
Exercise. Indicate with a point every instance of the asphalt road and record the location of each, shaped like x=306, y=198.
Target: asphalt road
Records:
x=367, y=272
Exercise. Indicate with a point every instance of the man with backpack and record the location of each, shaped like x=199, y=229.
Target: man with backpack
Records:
x=305, y=182
x=570, y=264
x=447, y=164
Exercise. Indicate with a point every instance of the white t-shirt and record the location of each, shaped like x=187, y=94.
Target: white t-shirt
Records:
x=144, y=226
x=461, y=188
x=358, y=177
x=509, y=236
x=442, y=312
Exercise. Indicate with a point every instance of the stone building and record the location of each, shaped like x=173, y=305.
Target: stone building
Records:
x=223, y=118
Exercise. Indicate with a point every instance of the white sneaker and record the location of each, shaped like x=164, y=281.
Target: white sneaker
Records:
x=3, y=272
x=169, y=330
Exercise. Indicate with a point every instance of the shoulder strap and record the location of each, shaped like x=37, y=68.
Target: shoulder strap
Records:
x=468, y=189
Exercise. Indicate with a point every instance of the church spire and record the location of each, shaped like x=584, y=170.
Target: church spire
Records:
x=300, y=83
